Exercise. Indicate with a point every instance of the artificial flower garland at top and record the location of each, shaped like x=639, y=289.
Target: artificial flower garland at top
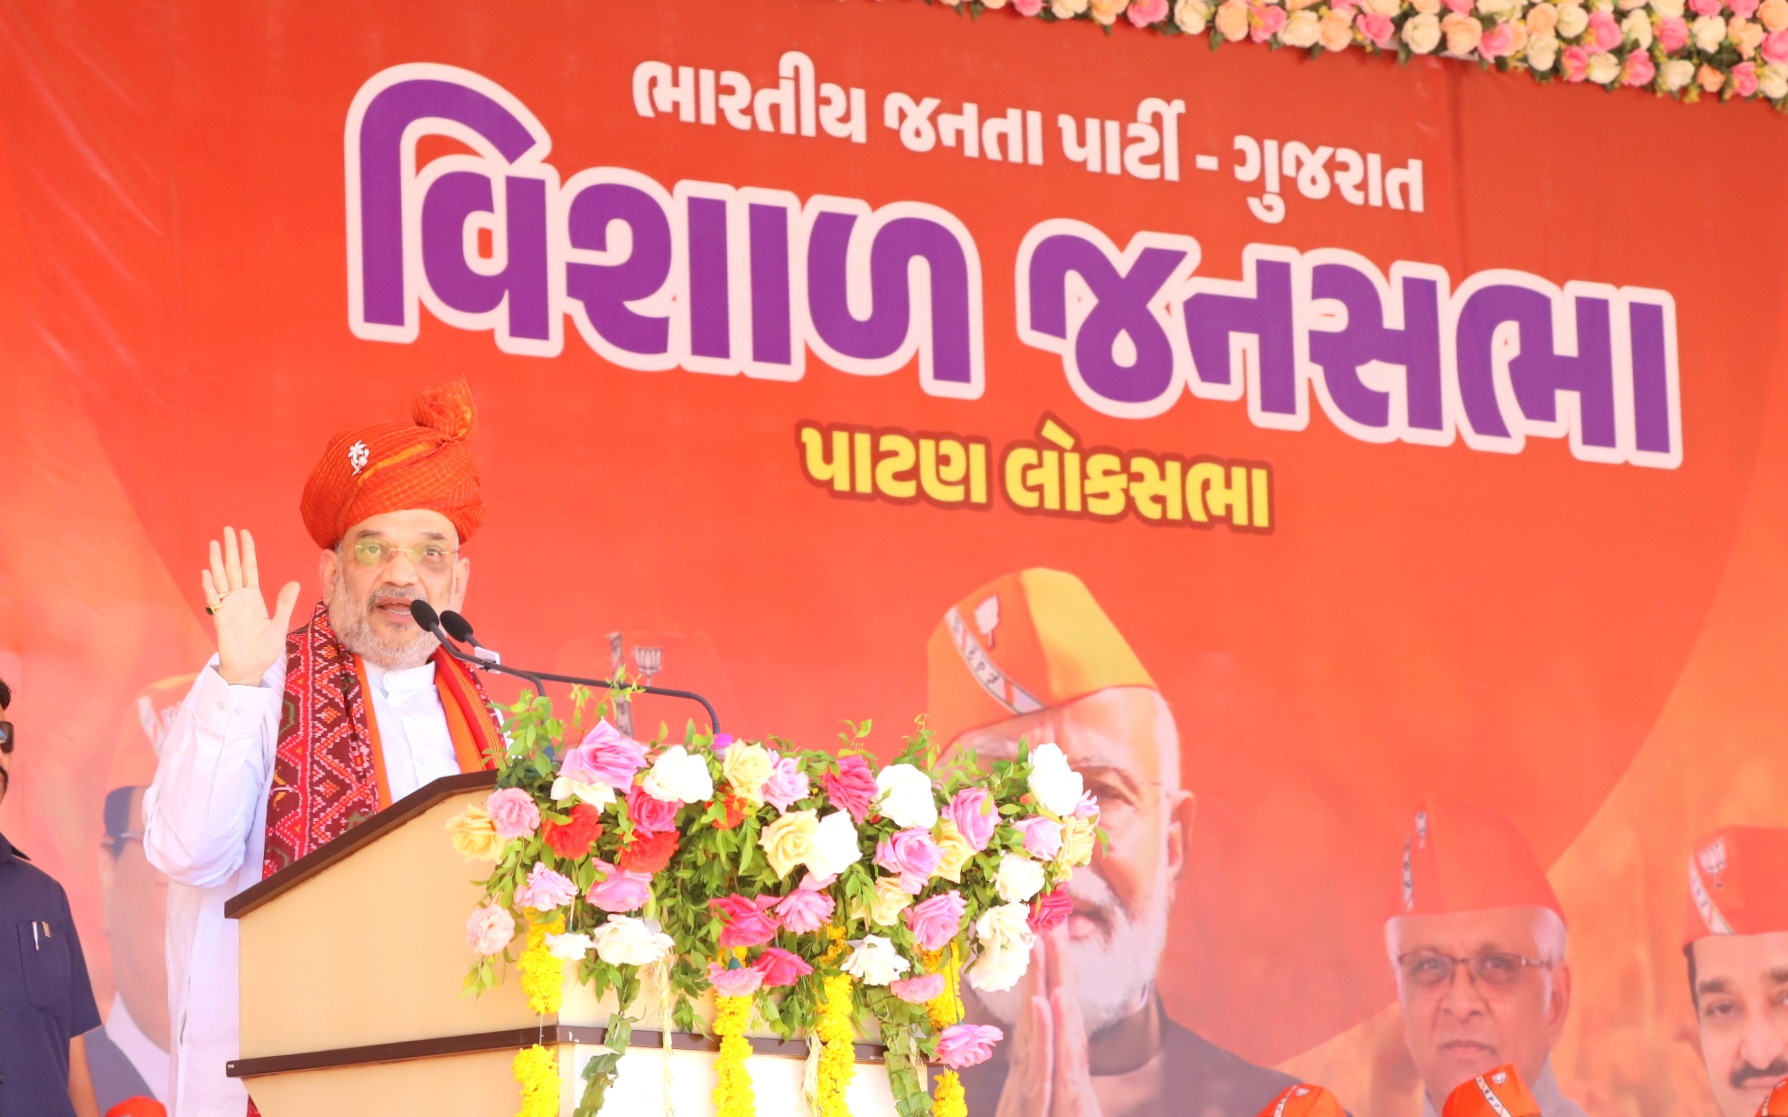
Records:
x=802, y=888
x=1686, y=49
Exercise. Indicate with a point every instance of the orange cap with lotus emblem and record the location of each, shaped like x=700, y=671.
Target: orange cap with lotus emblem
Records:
x=1463, y=857
x=1304, y=1100
x=1496, y=1093
x=1738, y=883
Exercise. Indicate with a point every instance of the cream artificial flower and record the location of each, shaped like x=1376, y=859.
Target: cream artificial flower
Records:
x=1677, y=72
x=1019, y=878
x=1604, y=68
x=874, y=961
x=679, y=776
x=1709, y=33
x=906, y=796
x=789, y=841
x=1772, y=81
x=746, y=767
x=1572, y=19
x=1669, y=9
x=836, y=846
x=998, y=968
x=1056, y=786
x=570, y=947
x=1302, y=29
x=627, y=941
x=598, y=795
x=890, y=900
x=1422, y=34
x=1192, y=16
x=956, y=849
x=1006, y=925
x=1078, y=834
x=1637, y=28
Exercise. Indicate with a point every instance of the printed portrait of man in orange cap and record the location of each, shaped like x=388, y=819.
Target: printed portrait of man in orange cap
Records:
x=1032, y=656
x=1477, y=946
x=1735, y=936
x=1498, y=1092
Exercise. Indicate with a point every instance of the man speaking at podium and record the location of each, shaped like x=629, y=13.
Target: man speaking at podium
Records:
x=287, y=741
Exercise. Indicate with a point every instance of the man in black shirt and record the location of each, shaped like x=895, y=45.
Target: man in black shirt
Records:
x=46, y=1002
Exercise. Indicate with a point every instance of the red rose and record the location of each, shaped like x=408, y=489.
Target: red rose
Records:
x=1049, y=911
x=735, y=809
x=780, y=967
x=572, y=840
x=648, y=853
x=852, y=788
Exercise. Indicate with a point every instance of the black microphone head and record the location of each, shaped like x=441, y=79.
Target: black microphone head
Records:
x=457, y=626
x=424, y=614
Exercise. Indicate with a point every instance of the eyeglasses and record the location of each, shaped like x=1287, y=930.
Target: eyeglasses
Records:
x=432, y=557
x=6, y=737
x=1430, y=969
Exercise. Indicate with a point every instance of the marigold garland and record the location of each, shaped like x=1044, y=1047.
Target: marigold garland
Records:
x=537, y=1069
x=543, y=976
x=733, y=1093
x=837, y=1033
x=943, y=1010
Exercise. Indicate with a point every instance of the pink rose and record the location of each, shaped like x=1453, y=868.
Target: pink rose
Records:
x=1604, y=32
x=1050, y=911
x=1042, y=837
x=545, y=889
x=1142, y=13
x=1027, y=7
x=1574, y=61
x=513, y=812
x=974, y=815
x=1744, y=79
x=1265, y=20
x=739, y=981
x=809, y=907
x=605, y=757
x=1672, y=34
x=1638, y=69
x=1743, y=8
x=1775, y=46
x=748, y=922
x=1497, y=42
x=649, y=815
x=619, y=890
x=934, y=922
x=852, y=788
x=787, y=784
x=1463, y=7
x=780, y=967
x=918, y=990
x=1377, y=28
x=1705, y=7
x=910, y=854
x=489, y=930
x=965, y=1045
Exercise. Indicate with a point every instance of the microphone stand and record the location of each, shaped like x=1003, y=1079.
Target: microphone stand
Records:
x=424, y=614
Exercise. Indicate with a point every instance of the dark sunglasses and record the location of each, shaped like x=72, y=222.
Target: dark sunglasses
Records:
x=6, y=737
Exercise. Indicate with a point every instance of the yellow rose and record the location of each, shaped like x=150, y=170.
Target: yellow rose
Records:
x=889, y=900
x=475, y=835
x=1232, y=20
x=1077, y=843
x=789, y=841
x=746, y=767
x=1337, y=30
x=1107, y=11
x=1542, y=19
x=1773, y=14
x=956, y=851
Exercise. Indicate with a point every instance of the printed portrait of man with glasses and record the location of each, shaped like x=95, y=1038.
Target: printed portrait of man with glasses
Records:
x=1478, y=951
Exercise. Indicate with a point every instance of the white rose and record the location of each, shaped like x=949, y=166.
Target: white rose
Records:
x=906, y=796
x=569, y=948
x=1669, y=9
x=998, y=968
x=1494, y=7
x=1191, y=16
x=1422, y=33
x=627, y=941
x=1637, y=28
x=835, y=845
x=1572, y=19
x=1007, y=925
x=1604, y=68
x=1542, y=52
x=1709, y=32
x=1772, y=81
x=1392, y=7
x=1677, y=73
x=1056, y=786
x=1302, y=29
x=1019, y=878
x=679, y=776
x=598, y=795
x=874, y=961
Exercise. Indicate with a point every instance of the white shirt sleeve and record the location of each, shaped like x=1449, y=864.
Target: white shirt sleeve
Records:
x=215, y=771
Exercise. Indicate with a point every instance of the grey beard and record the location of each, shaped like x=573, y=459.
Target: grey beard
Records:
x=353, y=624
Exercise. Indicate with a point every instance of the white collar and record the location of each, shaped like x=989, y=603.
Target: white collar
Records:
x=409, y=679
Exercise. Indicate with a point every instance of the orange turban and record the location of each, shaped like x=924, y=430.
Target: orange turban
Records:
x=1020, y=644
x=1776, y=1105
x=1462, y=857
x=391, y=467
x=1304, y=1100
x=1499, y=1093
x=1738, y=883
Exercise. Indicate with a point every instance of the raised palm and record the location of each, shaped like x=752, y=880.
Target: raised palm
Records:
x=248, y=640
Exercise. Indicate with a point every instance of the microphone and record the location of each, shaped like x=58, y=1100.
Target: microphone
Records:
x=460, y=629
x=424, y=614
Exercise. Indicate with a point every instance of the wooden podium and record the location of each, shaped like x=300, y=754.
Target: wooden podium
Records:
x=352, y=963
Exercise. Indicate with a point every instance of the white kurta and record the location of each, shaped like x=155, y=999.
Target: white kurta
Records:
x=205, y=824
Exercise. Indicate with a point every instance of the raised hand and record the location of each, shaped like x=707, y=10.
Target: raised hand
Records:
x=1071, y=1088
x=248, y=640
x=1030, y=1070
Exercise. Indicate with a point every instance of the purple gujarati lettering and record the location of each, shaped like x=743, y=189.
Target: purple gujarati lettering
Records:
x=1538, y=372
x=896, y=244
x=710, y=320
x=606, y=289
x=1121, y=308
x=1416, y=347
x=771, y=336
x=451, y=199
x=1212, y=317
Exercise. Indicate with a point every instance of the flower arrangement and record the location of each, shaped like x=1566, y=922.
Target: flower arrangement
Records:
x=811, y=892
x=1687, y=49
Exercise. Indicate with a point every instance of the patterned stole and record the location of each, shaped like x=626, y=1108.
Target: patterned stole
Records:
x=328, y=773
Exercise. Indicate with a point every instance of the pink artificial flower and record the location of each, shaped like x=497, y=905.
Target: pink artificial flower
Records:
x=809, y=907
x=489, y=930
x=1377, y=28
x=780, y=967
x=619, y=890
x=739, y=981
x=852, y=788
x=1673, y=33
x=1050, y=910
x=1142, y=13
x=1744, y=79
x=649, y=815
x=605, y=757
x=1574, y=62
x=1775, y=46
x=1042, y=837
x=787, y=784
x=918, y=990
x=912, y=855
x=1604, y=32
x=965, y=1045
x=1744, y=9
x=975, y=816
x=748, y=922
x=545, y=889
x=1463, y=7
x=1265, y=20
x=934, y=922
x=1705, y=7
x=1088, y=807
x=513, y=812
x=1638, y=69
x=1027, y=7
